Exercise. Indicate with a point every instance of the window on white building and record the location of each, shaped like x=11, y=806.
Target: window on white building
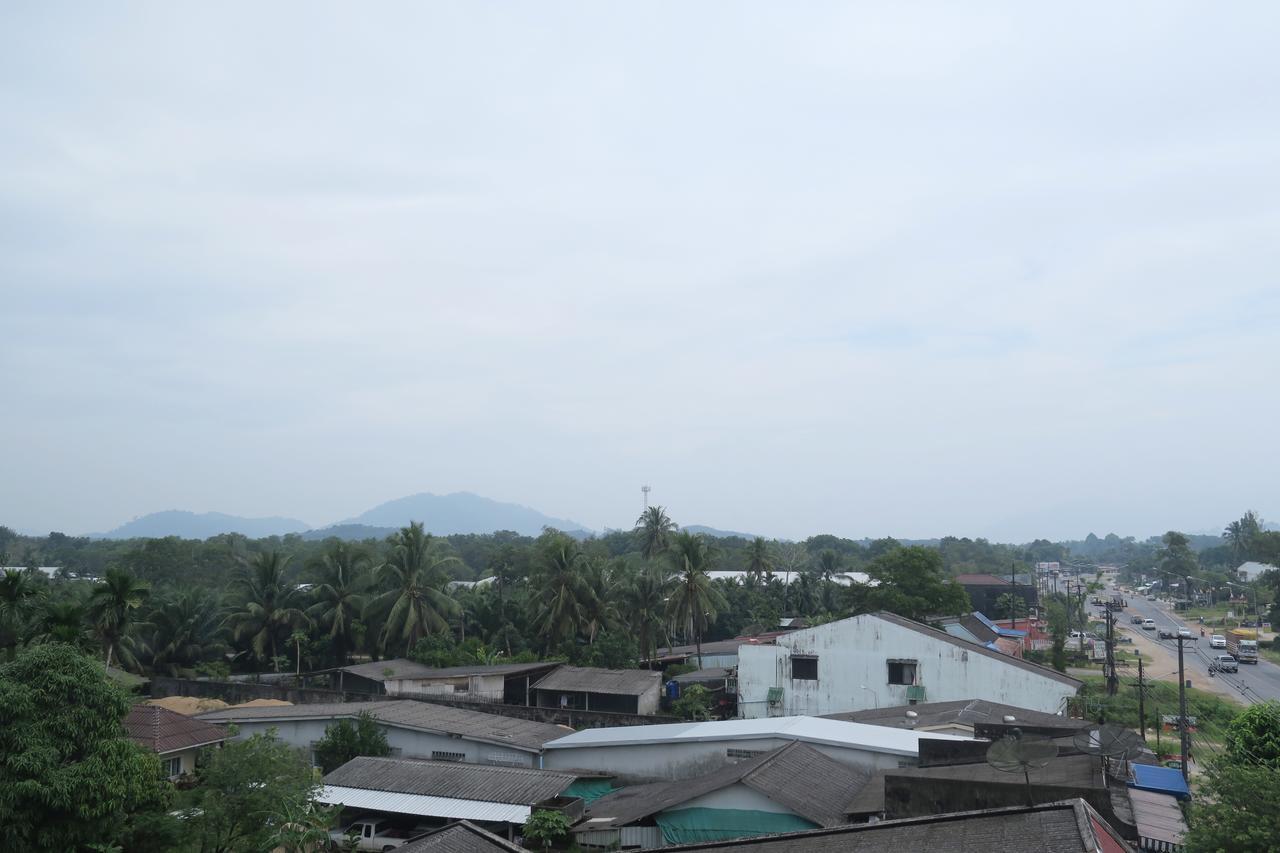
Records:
x=804, y=668
x=448, y=756
x=902, y=672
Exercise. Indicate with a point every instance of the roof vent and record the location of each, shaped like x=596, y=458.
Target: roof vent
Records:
x=911, y=715
x=1009, y=718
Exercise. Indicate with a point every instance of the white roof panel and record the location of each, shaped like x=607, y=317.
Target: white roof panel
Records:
x=808, y=729
x=422, y=806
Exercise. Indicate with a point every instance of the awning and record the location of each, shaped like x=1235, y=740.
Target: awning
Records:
x=1162, y=780
x=421, y=805
x=686, y=826
x=1158, y=819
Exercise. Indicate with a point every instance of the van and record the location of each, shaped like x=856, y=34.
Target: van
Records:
x=1148, y=624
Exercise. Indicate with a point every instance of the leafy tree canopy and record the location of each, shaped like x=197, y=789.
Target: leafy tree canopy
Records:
x=910, y=582
x=345, y=740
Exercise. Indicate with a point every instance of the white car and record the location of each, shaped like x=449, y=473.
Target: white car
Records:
x=1185, y=633
x=1217, y=641
x=1148, y=624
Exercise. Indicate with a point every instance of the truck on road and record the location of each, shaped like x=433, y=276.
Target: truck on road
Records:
x=1243, y=644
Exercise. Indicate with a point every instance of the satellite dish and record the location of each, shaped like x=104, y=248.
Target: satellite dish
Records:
x=1018, y=752
x=1109, y=741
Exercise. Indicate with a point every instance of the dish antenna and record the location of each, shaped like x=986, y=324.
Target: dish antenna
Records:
x=1109, y=741
x=1018, y=752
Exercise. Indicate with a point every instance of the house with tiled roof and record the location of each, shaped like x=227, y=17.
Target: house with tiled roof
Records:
x=175, y=738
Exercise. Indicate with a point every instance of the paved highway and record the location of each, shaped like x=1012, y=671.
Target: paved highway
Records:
x=1254, y=683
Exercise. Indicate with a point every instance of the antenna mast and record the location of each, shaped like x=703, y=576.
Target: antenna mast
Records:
x=645, y=491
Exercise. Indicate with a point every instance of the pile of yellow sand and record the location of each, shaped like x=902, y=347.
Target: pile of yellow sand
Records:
x=190, y=705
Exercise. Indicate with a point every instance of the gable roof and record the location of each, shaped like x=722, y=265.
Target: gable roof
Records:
x=808, y=729
x=402, y=668
x=799, y=777
x=981, y=580
x=943, y=636
x=161, y=730
x=461, y=837
x=526, y=735
x=589, y=679
x=456, y=780
x=1071, y=826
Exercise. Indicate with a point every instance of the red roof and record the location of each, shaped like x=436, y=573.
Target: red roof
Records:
x=161, y=730
x=981, y=580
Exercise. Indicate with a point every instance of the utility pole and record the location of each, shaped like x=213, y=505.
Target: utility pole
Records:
x=1142, y=703
x=1182, y=708
x=645, y=491
x=1013, y=596
x=1112, y=681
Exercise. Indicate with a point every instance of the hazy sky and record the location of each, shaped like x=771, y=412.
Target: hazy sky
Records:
x=917, y=269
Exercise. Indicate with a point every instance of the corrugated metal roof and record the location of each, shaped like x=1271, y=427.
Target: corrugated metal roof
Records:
x=808, y=729
x=401, y=668
x=1158, y=819
x=525, y=735
x=422, y=806
x=965, y=712
x=520, y=785
x=461, y=837
x=590, y=679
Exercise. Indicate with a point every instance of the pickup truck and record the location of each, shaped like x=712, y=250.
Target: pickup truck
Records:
x=1217, y=641
x=1223, y=663
x=374, y=834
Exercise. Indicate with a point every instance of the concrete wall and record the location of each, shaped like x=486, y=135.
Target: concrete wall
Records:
x=853, y=673
x=411, y=744
x=635, y=763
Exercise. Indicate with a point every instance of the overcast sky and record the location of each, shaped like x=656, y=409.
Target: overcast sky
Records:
x=1004, y=270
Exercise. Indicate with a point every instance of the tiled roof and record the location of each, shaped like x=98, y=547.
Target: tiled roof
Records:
x=1071, y=826
x=460, y=837
x=527, y=735
x=380, y=670
x=515, y=785
x=588, y=679
x=161, y=730
x=796, y=776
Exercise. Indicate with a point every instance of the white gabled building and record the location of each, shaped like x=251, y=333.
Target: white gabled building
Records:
x=878, y=660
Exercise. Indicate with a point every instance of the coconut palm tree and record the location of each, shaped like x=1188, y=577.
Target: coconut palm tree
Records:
x=655, y=529
x=113, y=607
x=415, y=603
x=644, y=603
x=269, y=608
x=599, y=605
x=340, y=596
x=187, y=631
x=558, y=591
x=19, y=596
x=694, y=602
x=759, y=561
x=65, y=621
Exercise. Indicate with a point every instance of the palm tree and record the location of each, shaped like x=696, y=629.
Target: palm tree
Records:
x=599, y=609
x=828, y=566
x=269, y=606
x=694, y=601
x=759, y=560
x=65, y=622
x=19, y=595
x=416, y=603
x=644, y=601
x=112, y=607
x=558, y=588
x=655, y=529
x=187, y=631
x=339, y=597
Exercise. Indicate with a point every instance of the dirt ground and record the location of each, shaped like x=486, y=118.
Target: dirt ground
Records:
x=189, y=705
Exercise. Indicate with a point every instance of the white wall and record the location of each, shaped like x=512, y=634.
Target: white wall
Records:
x=853, y=672
x=410, y=743
x=634, y=763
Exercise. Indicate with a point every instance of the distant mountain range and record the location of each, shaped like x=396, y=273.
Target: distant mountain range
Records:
x=460, y=512
x=717, y=534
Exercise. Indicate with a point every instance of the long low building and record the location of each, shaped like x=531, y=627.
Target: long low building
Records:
x=413, y=729
x=686, y=750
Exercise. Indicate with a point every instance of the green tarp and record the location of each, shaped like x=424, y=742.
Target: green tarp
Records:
x=589, y=789
x=685, y=826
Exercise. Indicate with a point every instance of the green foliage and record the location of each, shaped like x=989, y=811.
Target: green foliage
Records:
x=545, y=828
x=654, y=529
x=1235, y=810
x=611, y=650
x=247, y=788
x=694, y=601
x=270, y=608
x=694, y=703
x=911, y=583
x=69, y=777
x=344, y=740
x=1254, y=735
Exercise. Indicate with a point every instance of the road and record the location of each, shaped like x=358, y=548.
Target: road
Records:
x=1254, y=683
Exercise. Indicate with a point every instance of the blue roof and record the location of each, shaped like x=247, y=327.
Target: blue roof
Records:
x=1003, y=632
x=1164, y=780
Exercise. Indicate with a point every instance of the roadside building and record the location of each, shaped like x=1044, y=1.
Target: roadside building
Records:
x=585, y=688
x=977, y=628
x=175, y=738
x=508, y=682
x=985, y=590
x=791, y=788
x=437, y=792
x=686, y=750
x=1252, y=570
x=413, y=729
x=1066, y=827
x=881, y=659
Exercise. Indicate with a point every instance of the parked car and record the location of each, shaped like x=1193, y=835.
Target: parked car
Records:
x=1217, y=641
x=373, y=833
x=1148, y=624
x=1223, y=663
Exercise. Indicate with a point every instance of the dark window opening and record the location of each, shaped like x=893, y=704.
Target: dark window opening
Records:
x=804, y=669
x=902, y=672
